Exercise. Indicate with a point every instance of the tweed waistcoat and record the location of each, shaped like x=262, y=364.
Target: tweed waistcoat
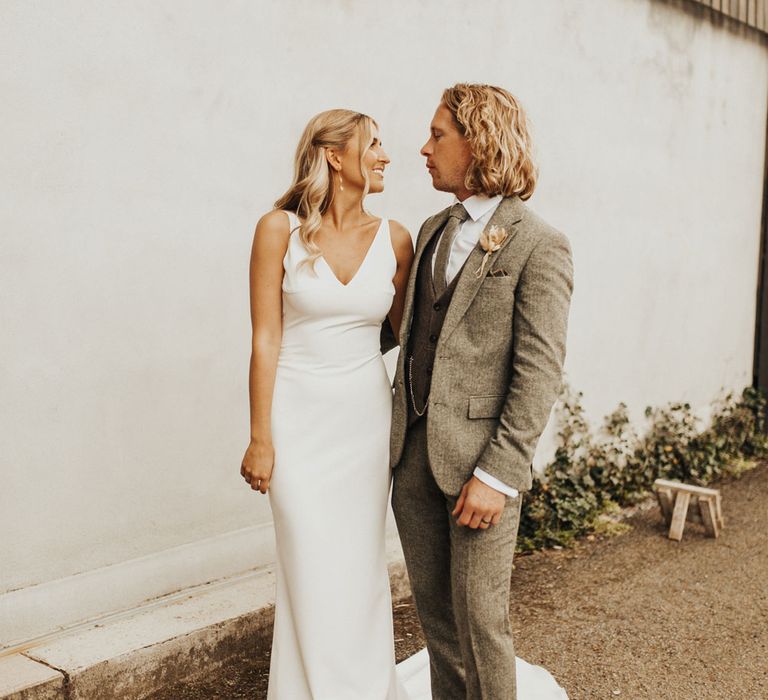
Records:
x=428, y=316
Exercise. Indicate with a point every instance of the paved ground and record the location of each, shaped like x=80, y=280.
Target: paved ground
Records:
x=635, y=616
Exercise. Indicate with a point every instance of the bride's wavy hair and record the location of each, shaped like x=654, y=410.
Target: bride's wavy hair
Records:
x=496, y=127
x=313, y=186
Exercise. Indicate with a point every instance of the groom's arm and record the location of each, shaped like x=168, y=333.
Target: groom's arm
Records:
x=387, y=338
x=540, y=322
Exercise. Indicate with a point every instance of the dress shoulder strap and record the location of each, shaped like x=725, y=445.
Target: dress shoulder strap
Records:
x=388, y=239
x=293, y=220
x=385, y=252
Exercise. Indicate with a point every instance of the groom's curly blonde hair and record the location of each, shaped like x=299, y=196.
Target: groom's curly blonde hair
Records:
x=496, y=127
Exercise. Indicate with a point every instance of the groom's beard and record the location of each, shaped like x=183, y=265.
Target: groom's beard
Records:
x=450, y=182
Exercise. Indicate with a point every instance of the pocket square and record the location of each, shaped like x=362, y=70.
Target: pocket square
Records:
x=499, y=272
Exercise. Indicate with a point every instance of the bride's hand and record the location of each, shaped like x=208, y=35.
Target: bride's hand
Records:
x=257, y=465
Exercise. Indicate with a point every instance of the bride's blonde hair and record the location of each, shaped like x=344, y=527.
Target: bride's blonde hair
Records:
x=312, y=189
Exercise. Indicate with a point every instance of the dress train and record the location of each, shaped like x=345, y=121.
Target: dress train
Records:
x=533, y=682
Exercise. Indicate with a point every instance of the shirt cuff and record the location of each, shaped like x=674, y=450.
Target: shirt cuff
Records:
x=494, y=483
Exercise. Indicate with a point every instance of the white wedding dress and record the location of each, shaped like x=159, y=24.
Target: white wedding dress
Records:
x=331, y=410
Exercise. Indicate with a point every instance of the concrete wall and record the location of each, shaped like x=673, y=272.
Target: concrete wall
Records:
x=141, y=141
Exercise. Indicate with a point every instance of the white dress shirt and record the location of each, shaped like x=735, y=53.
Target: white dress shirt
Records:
x=480, y=209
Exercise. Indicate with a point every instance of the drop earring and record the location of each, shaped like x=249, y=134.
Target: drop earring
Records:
x=341, y=182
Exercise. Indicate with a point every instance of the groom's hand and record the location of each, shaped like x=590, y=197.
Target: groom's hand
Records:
x=479, y=505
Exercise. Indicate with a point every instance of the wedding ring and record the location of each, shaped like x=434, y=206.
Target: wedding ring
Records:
x=487, y=522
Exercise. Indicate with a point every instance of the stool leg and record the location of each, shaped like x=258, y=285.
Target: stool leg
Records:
x=709, y=516
x=678, y=515
x=719, y=512
x=666, y=503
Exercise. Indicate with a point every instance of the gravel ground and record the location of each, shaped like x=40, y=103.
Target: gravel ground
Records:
x=634, y=616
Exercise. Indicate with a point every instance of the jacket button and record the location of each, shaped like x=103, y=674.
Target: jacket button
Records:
x=433, y=338
x=429, y=371
x=436, y=306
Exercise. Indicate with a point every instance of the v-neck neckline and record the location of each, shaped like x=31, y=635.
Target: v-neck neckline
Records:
x=362, y=262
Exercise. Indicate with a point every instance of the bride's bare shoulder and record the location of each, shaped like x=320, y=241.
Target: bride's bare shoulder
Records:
x=273, y=231
x=401, y=239
x=275, y=221
x=274, y=224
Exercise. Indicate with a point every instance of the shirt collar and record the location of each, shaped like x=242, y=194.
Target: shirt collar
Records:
x=478, y=205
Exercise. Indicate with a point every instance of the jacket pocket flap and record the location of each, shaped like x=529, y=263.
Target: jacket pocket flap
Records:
x=486, y=406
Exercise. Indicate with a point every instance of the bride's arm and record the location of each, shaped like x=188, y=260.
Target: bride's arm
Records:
x=270, y=242
x=402, y=243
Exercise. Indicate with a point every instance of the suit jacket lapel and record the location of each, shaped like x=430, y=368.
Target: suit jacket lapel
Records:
x=427, y=233
x=507, y=214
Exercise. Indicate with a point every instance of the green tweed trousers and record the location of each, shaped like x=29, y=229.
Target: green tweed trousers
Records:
x=460, y=580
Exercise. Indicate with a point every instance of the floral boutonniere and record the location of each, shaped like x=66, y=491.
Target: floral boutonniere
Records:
x=490, y=241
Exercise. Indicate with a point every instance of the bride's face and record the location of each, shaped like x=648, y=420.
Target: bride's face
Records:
x=375, y=160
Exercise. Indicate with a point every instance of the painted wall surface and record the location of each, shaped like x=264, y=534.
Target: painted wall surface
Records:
x=141, y=142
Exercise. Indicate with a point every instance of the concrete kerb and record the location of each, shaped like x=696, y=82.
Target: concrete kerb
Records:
x=22, y=678
x=156, y=645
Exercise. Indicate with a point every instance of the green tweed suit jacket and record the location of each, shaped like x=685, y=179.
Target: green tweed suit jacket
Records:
x=499, y=358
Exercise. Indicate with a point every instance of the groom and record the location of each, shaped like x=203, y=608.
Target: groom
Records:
x=482, y=348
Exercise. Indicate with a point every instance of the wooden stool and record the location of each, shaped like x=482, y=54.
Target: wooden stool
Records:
x=674, y=499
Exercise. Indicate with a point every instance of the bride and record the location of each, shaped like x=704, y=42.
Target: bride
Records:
x=324, y=276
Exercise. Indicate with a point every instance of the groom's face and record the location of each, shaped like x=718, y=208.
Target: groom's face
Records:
x=448, y=154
